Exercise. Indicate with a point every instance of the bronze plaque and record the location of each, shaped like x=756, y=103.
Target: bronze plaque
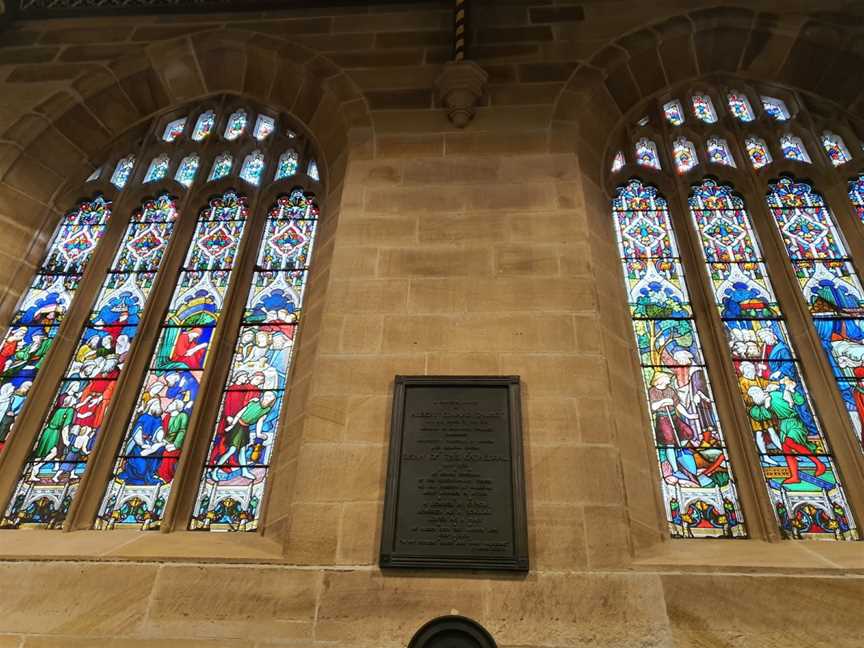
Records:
x=455, y=483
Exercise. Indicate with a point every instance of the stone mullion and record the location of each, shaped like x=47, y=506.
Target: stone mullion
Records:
x=85, y=505
x=744, y=462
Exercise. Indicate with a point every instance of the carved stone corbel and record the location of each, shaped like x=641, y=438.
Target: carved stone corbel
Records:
x=459, y=88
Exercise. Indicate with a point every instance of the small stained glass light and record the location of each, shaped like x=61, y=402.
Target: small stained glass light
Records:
x=643, y=122
x=93, y=177
x=835, y=148
x=719, y=153
x=618, y=162
x=204, y=125
x=312, y=170
x=253, y=168
x=674, y=112
x=221, y=166
x=793, y=149
x=758, y=151
x=158, y=169
x=287, y=165
x=703, y=108
x=290, y=134
x=646, y=154
x=775, y=108
x=122, y=171
x=236, y=125
x=187, y=170
x=684, y=153
x=739, y=106
x=174, y=129
x=264, y=125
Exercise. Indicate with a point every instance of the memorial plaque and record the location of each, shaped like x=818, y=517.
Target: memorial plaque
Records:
x=455, y=483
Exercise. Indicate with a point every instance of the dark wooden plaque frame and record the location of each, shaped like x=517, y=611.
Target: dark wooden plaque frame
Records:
x=518, y=560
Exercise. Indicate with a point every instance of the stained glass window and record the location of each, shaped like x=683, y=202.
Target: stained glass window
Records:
x=758, y=151
x=856, y=195
x=158, y=169
x=240, y=451
x=43, y=307
x=264, y=125
x=835, y=148
x=775, y=108
x=204, y=125
x=646, y=154
x=253, y=168
x=69, y=432
x=187, y=170
x=739, y=106
x=174, y=129
x=93, y=177
x=236, y=125
x=312, y=170
x=287, y=165
x=719, y=153
x=221, y=166
x=699, y=491
x=703, y=108
x=619, y=162
x=122, y=171
x=829, y=283
x=793, y=149
x=144, y=472
x=644, y=121
x=684, y=153
x=796, y=462
x=674, y=112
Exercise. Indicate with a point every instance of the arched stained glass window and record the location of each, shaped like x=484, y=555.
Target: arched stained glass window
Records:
x=856, y=195
x=312, y=170
x=758, y=152
x=796, y=461
x=739, y=106
x=204, y=125
x=646, y=154
x=829, y=283
x=793, y=149
x=684, y=153
x=699, y=491
x=144, y=472
x=674, y=112
x=43, y=307
x=187, y=170
x=775, y=108
x=264, y=125
x=253, y=168
x=69, y=432
x=287, y=165
x=174, y=129
x=703, y=108
x=122, y=171
x=221, y=166
x=158, y=169
x=236, y=125
x=719, y=153
x=97, y=173
x=618, y=162
x=835, y=149
x=238, y=459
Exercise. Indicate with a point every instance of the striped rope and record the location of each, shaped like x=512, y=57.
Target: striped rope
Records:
x=459, y=44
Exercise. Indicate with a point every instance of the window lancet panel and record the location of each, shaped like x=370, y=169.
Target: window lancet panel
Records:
x=719, y=153
x=739, y=106
x=703, y=108
x=674, y=112
x=204, y=126
x=699, y=491
x=122, y=171
x=758, y=152
x=835, y=149
x=684, y=153
x=646, y=154
x=794, y=149
x=187, y=170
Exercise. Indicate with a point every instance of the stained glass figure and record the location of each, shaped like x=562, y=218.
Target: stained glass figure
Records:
x=204, y=125
x=618, y=162
x=43, y=307
x=719, y=153
x=253, y=168
x=793, y=149
x=703, y=108
x=187, y=170
x=287, y=165
x=698, y=486
x=646, y=154
x=835, y=149
x=264, y=125
x=674, y=112
x=240, y=451
x=829, y=283
x=739, y=106
x=158, y=168
x=797, y=464
x=775, y=108
x=174, y=129
x=221, y=166
x=122, y=171
x=758, y=151
x=236, y=125
x=93, y=177
x=856, y=195
x=684, y=153
x=312, y=170
x=144, y=471
x=69, y=432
